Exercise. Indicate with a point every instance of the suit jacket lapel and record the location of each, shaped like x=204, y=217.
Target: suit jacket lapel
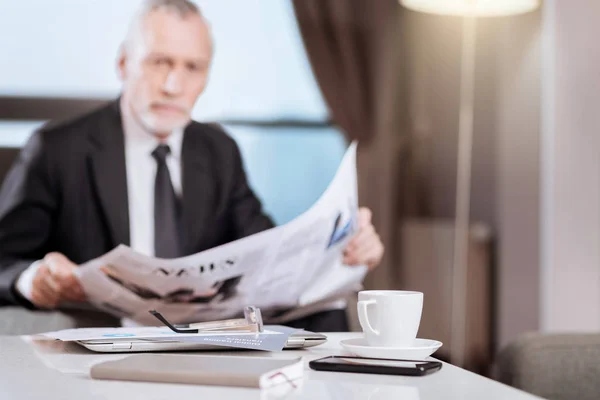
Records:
x=198, y=188
x=109, y=174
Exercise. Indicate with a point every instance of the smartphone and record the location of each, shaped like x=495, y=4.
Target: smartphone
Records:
x=375, y=366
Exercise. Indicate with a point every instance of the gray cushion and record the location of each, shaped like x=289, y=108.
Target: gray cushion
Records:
x=20, y=321
x=554, y=366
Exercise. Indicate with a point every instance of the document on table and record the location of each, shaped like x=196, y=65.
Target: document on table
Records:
x=292, y=266
x=273, y=338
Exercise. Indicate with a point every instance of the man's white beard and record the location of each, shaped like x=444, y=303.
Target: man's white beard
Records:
x=157, y=125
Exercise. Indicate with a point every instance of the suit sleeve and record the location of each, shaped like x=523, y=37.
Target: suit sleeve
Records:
x=27, y=204
x=248, y=216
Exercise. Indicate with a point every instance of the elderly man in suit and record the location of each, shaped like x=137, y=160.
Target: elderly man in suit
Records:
x=138, y=172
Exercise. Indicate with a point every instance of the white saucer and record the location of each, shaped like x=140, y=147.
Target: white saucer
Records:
x=421, y=349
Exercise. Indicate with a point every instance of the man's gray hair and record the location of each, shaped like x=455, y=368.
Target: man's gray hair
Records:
x=180, y=7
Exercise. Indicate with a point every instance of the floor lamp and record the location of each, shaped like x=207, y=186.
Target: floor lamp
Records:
x=470, y=10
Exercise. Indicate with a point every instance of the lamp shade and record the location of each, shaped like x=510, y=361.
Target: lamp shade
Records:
x=477, y=8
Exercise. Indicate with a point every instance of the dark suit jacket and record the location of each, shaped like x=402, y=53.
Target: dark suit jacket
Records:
x=67, y=192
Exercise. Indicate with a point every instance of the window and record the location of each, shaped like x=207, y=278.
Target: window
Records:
x=289, y=167
x=261, y=86
x=16, y=133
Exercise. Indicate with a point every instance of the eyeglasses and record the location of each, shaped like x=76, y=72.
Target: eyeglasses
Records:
x=252, y=322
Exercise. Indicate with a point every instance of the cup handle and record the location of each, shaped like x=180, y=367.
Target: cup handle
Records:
x=363, y=317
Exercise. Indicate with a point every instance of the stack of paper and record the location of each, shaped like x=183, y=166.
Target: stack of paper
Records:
x=273, y=339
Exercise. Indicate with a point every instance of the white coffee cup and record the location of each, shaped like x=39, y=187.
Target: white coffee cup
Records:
x=390, y=318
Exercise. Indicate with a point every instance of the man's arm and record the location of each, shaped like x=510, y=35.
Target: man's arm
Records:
x=24, y=283
x=246, y=210
x=27, y=203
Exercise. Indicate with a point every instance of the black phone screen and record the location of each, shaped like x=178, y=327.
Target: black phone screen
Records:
x=375, y=365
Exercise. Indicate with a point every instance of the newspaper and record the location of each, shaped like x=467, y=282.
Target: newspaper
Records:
x=289, y=267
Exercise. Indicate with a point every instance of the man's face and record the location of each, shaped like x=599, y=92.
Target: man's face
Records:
x=164, y=68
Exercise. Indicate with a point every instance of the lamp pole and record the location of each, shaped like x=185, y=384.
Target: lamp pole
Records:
x=463, y=190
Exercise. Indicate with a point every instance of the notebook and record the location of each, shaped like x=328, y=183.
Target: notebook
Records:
x=256, y=372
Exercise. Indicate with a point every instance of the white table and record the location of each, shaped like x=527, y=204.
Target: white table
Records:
x=43, y=369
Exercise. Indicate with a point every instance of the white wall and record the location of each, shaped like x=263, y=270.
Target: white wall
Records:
x=518, y=57
x=571, y=167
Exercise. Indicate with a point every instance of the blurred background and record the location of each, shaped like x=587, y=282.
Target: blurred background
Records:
x=294, y=81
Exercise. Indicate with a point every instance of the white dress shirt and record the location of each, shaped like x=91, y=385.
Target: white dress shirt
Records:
x=141, y=174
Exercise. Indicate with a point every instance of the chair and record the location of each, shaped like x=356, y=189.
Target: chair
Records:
x=7, y=157
x=553, y=366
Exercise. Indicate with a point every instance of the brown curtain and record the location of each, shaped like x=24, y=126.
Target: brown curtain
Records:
x=354, y=48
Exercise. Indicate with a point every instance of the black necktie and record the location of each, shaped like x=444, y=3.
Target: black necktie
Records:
x=166, y=208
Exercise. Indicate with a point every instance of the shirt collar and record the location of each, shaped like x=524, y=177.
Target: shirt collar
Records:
x=137, y=136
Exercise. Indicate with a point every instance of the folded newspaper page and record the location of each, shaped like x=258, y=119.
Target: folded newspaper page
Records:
x=284, y=270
